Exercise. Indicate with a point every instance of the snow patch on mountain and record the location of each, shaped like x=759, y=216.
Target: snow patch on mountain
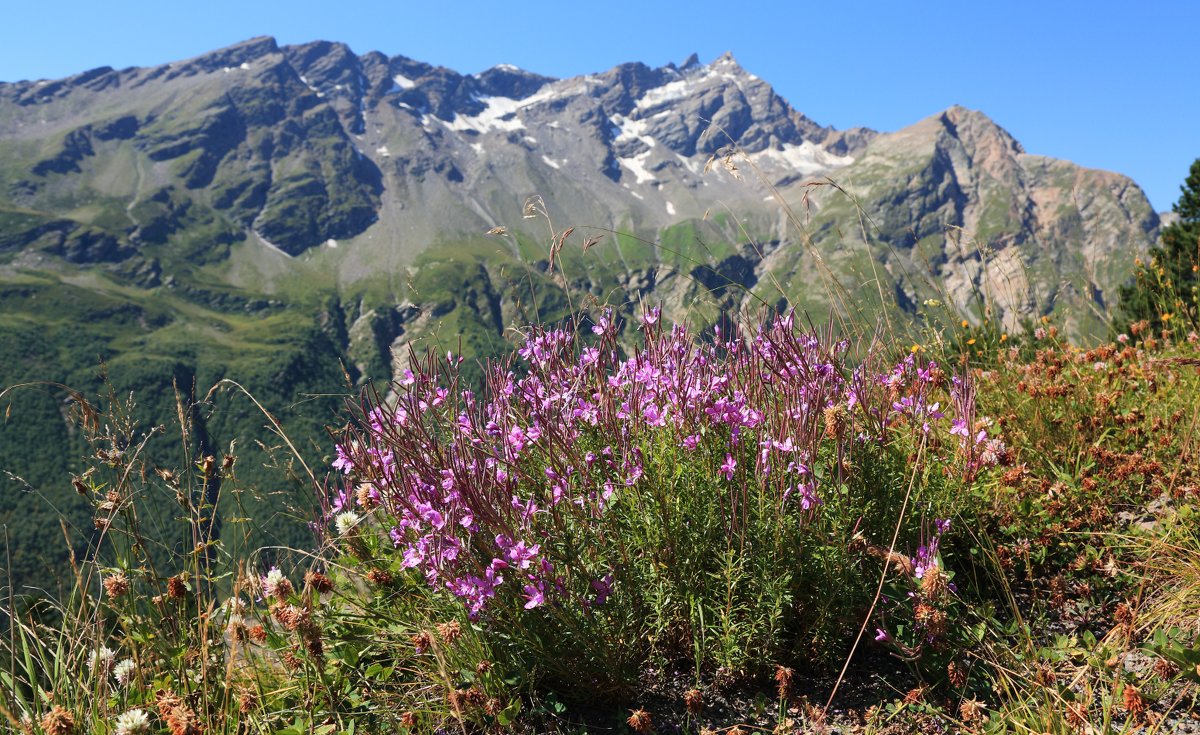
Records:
x=499, y=113
x=627, y=129
x=637, y=166
x=806, y=158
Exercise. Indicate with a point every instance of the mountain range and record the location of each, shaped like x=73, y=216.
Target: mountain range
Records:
x=298, y=216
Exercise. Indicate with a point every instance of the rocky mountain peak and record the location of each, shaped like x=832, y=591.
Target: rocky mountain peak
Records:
x=229, y=57
x=315, y=151
x=506, y=80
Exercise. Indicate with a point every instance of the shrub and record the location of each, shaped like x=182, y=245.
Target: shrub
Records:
x=593, y=515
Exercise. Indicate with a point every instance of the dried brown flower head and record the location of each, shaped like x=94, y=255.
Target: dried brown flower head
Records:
x=1076, y=715
x=1123, y=614
x=247, y=701
x=934, y=583
x=258, y=634
x=116, y=584
x=183, y=721
x=422, y=641
x=1132, y=701
x=933, y=619
x=58, y=721
x=694, y=701
x=177, y=587
x=449, y=632
x=318, y=582
x=313, y=643
x=379, y=577
x=956, y=674
x=639, y=721
x=291, y=617
x=409, y=720
x=1164, y=669
x=783, y=678
x=166, y=700
x=835, y=421
x=366, y=496
x=483, y=667
x=970, y=711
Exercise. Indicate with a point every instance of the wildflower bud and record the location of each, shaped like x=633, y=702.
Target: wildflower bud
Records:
x=694, y=701
x=639, y=721
x=58, y=721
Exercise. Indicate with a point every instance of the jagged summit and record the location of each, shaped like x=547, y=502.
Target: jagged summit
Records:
x=312, y=150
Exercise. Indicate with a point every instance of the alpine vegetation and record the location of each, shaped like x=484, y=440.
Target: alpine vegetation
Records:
x=596, y=514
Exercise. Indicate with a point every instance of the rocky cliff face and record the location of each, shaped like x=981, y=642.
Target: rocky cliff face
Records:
x=264, y=168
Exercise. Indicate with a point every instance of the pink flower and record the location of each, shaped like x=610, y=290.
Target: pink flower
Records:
x=729, y=466
x=534, y=595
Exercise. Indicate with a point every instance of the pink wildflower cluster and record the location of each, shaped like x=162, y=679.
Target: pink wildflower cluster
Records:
x=479, y=490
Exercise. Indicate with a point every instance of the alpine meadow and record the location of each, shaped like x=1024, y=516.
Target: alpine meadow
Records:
x=346, y=394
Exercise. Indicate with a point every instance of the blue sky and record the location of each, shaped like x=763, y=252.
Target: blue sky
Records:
x=1107, y=85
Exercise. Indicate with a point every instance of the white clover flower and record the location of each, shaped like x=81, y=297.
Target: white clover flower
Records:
x=273, y=581
x=235, y=609
x=102, y=659
x=133, y=722
x=346, y=522
x=124, y=670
